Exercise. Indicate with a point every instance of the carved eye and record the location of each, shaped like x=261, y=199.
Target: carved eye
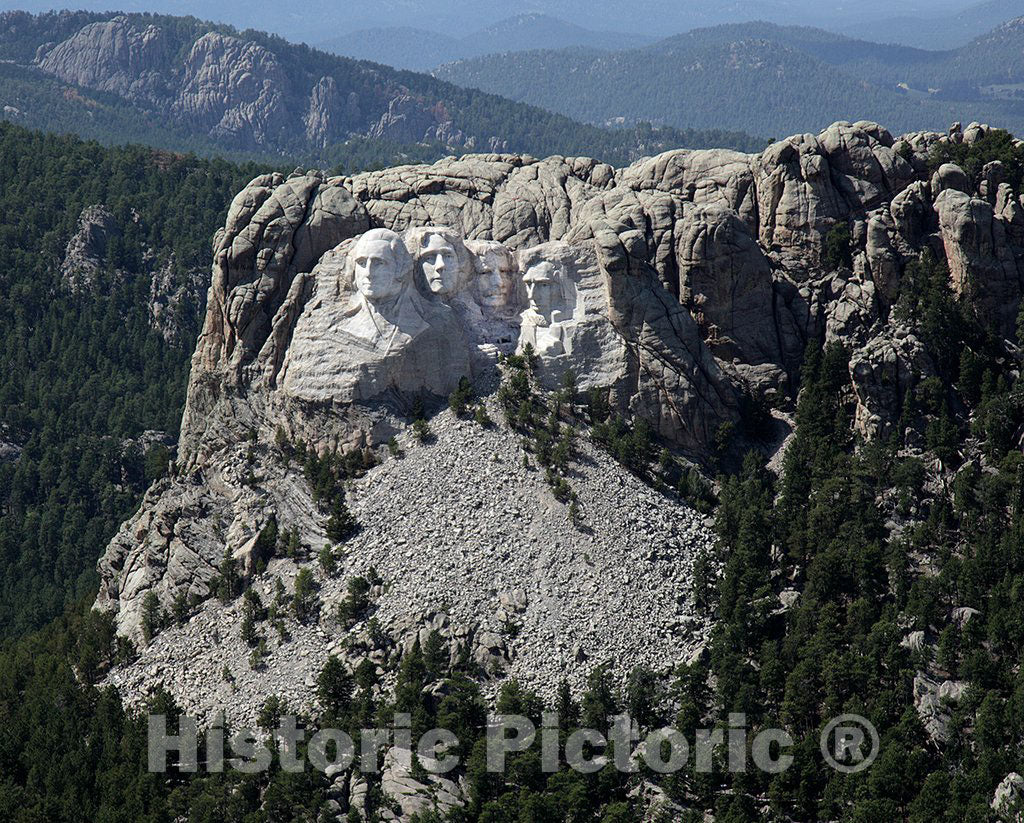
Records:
x=361, y=262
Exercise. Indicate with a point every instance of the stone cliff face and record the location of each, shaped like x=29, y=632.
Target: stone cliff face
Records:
x=241, y=92
x=114, y=57
x=175, y=297
x=677, y=287
x=233, y=88
x=737, y=240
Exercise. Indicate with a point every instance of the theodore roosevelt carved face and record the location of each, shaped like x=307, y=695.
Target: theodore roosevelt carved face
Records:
x=493, y=285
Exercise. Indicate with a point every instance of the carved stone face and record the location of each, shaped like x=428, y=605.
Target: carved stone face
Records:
x=542, y=288
x=378, y=275
x=440, y=265
x=493, y=283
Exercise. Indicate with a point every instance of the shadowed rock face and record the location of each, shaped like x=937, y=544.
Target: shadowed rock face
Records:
x=676, y=286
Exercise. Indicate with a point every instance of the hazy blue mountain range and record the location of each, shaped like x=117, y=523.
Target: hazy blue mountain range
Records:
x=784, y=79
x=931, y=30
x=317, y=21
x=183, y=84
x=423, y=49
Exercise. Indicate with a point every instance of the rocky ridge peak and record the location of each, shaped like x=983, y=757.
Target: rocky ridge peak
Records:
x=240, y=91
x=678, y=287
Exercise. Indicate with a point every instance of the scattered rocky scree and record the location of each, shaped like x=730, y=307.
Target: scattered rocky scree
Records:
x=467, y=542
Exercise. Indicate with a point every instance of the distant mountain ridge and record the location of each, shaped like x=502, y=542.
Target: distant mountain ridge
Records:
x=184, y=84
x=782, y=78
x=941, y=31
x=421, y=49
x=935, y=24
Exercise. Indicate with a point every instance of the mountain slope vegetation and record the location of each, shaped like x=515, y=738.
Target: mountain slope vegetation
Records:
x=189, y=85
x=785, y=79
x=83, y=375
x=423, y=49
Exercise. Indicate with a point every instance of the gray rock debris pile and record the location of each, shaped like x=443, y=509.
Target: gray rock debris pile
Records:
x=467, y=541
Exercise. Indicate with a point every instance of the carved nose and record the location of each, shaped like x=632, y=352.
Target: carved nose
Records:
x=439, y=263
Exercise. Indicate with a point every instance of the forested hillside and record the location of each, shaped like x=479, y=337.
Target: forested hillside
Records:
x=778, y=79
x=83, y=374
x=204, y=87
x=423, y=50
x=857, y=578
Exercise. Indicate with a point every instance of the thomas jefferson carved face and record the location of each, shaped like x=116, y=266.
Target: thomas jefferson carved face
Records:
x=542, y=287
x=441, y=266
x=379, y=271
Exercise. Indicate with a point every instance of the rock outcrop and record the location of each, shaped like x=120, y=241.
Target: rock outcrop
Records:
x=234, y=88
x=10, y=451
x=176, y=295
x=176, y=300
x=935, y=702
x=243, y=94
x=982, y=262
x=86, y=252
x=679, y=288
x=325, y=117
x=1008, y=799
x=112, y=56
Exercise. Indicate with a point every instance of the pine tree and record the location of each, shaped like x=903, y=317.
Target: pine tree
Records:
x=435, y=656
x=334, y=690
x=305, y=600
x=342, y=524
x=151, y=616
x=409, y=690
x=599, y=704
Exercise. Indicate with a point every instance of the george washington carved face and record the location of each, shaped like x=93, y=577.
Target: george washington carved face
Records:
x=381, y=265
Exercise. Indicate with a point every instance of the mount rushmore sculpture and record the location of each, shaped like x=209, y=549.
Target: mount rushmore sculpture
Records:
x=388, y=317
x=374, y=320
x=416, y=312
x=678, y=287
